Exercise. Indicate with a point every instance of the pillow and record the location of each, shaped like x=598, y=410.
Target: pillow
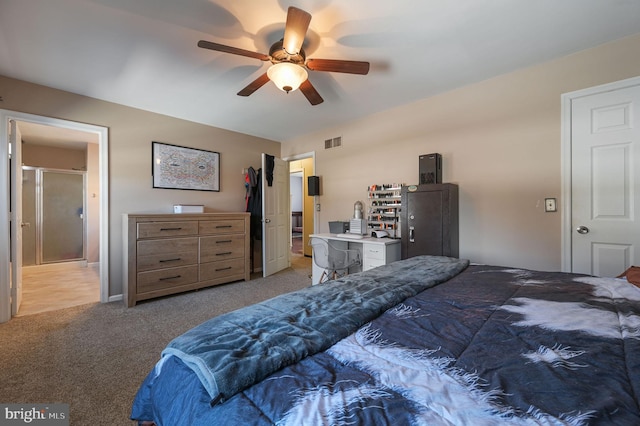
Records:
x=632, y=274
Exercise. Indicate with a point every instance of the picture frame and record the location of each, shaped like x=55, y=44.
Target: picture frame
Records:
x=179, y=167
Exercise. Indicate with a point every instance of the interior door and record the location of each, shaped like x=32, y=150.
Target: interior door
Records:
x=15, y=141
x=276, y=226
x=605, y=176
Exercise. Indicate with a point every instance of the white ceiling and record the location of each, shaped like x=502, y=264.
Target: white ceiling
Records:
x=45, y=135
x=143, y=53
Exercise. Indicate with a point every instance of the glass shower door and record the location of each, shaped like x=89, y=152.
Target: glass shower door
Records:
x=62, y=216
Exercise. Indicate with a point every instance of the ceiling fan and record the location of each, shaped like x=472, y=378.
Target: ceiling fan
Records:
x=289, y=62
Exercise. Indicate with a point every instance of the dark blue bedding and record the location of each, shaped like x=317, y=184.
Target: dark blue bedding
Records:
x=489, y=346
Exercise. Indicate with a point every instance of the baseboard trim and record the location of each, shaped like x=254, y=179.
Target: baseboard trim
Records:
x=56, y=266
x=115, y=298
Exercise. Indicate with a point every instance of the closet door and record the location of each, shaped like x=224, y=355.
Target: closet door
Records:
x=605, y=183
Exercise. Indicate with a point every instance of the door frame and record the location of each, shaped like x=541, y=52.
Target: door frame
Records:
x=565, y=160
x=294, y=173
x=303, y=156
x=102, y=134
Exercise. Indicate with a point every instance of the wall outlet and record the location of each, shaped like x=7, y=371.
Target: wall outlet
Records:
x=550, y=205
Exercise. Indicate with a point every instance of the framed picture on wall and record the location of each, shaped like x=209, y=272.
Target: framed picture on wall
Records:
x=179, y=167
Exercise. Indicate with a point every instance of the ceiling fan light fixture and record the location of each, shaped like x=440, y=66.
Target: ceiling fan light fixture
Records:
x=287, y=76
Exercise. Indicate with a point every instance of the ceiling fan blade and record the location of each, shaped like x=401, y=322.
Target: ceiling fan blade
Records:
x=295, y=30
x=254, y=85
x=336, y=65
x=311, y=93
x=233, y=50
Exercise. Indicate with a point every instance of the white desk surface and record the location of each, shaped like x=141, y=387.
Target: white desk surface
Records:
x=368, y=240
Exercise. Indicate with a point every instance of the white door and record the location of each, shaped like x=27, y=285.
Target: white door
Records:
x=605, y=181
x=276, y=227
x=15, y=140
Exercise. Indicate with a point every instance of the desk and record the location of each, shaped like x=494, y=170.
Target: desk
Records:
x=373, y=251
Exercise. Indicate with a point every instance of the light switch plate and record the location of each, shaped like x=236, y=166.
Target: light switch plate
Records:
x=550, y=205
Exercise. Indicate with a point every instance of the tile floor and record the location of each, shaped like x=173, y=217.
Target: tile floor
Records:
x=58, y=286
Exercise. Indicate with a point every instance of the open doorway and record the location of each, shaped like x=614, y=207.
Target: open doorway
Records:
x=296, y=188
x=61, y=215
x=59, y=275
x=301, y=167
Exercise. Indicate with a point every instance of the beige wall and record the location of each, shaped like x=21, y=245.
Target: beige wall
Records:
x=54, y=158
x=500, y=142
x=131, y=132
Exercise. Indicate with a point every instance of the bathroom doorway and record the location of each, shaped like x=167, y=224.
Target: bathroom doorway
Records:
x=60, y=254
x=92, y=143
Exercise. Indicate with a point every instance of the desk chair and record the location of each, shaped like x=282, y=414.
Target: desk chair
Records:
x=334, y=261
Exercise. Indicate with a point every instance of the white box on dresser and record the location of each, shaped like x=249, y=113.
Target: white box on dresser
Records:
x=188, y=208
x=171, y=253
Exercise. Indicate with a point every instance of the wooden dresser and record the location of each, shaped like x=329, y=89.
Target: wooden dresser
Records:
x=171, y=253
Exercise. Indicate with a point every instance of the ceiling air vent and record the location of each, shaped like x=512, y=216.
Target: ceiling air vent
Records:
x=333, y=143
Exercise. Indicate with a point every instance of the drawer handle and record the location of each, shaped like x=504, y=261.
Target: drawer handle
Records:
x=170, y=260
x=223, y=241
x=223, y=226
x=170, y=278
x=223, y=269
x=170, y=229
x=224, y=253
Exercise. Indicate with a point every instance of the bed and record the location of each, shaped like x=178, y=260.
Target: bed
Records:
x=423, y=341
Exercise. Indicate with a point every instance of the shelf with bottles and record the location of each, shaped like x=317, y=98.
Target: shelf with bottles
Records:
x=384, y=208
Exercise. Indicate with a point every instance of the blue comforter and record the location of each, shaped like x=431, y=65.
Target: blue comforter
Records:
x=235, y=350
x=489, y=346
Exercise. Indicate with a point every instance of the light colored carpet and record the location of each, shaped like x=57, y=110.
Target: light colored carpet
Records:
x=95, y=356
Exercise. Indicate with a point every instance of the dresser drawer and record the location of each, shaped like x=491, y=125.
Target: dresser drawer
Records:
x=225, y=226
x=166, y=278
x=374, y=251
x=157, y=254
x=223, y=269
x=372, y=263
x=213, y=249
x=167, y=229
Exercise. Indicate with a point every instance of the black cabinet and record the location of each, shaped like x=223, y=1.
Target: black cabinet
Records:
x=429, y=219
